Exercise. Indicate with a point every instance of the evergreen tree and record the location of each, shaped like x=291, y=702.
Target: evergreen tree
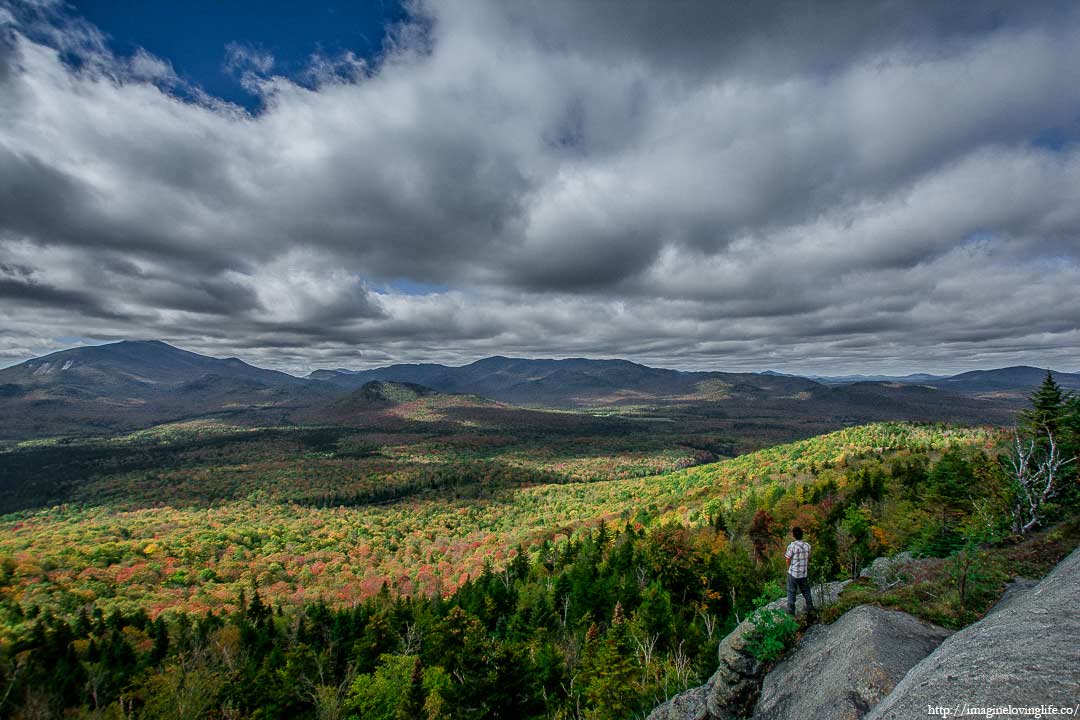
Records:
x=654, y=616
x=161, y=641
x=610, y=674
x=412, y=704
x=949, y=491
x=1070, y=427
x=1047, y=409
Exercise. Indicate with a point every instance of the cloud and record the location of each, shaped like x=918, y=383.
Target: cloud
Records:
x=729, y=185
x=246, y=58
x=145, y=66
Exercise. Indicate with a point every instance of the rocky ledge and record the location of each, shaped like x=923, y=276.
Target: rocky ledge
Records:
x=882, y=665
x=733, y=688
x=842, y=670
x=1024, y=654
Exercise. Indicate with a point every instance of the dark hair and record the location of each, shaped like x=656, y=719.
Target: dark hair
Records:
x=797, y=532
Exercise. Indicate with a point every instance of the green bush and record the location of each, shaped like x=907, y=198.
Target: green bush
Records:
x=772, y=629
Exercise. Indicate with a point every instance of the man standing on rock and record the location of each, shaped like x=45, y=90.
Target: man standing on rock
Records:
x=798, y=562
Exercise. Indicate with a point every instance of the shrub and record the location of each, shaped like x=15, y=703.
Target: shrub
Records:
x=772, y=629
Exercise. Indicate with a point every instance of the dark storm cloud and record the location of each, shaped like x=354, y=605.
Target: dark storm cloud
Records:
x=208, y=297
x=18, y=286
x=763, y=39
x=828, y=187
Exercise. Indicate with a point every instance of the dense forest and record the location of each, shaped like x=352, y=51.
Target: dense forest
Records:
x=189, y=536
x=601, y=620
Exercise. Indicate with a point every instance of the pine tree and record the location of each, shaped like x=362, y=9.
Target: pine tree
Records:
x=1070, y=427
x=1047, y=409
x=949, y=489
x=609, y=672
x=412, y=704
x=655, y=616
x=161, y=641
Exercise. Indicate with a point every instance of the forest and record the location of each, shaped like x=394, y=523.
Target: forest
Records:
x=531, y=588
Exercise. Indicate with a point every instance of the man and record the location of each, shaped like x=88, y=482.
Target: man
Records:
x=798, y=561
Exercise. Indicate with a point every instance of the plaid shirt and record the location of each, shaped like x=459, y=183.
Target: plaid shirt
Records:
x=799, y=552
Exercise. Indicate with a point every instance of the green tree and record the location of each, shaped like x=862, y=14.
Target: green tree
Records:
x=386, y=693
x=1047, y=409
x=412, y=701
x=609, y=674
x=654, y=617
x=853, y=539
x=949, y=494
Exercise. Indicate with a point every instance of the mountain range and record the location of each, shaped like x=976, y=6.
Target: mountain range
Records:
x=131, y=384
x=579, y=381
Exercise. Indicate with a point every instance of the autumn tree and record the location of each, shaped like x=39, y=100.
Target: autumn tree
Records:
x=762, y=531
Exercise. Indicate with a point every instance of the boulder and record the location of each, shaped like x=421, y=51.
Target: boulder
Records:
x=689, y=705
x=887, y=571
x=1025, y=654
x=842, y=670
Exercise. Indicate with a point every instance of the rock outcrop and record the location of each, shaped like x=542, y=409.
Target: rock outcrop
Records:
x=842, y=670
x=887, y=571
x=1026, y=653
x=1014, y=590
x=733, y=688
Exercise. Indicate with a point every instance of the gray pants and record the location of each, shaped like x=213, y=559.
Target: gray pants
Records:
x=803, y=585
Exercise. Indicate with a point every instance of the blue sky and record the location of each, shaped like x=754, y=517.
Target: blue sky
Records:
x=194, y=35
x=828, y=188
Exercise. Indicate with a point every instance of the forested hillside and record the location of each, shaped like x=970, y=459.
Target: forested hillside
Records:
x=542, y=592
x=191, y=538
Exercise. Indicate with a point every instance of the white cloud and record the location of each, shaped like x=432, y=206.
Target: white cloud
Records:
x=145, y=66
x=879, y=201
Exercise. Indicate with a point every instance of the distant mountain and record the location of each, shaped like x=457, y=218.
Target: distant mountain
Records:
x=569, y=383
x=134, y=364
x=1021, y=378
x=913, y=379
x=765, y=406
x=131, y=384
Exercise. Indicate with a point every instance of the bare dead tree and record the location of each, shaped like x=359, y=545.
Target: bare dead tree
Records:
x=645, y=647
x=228, y=650
x=1036, y=472
x=411, y=640
x=13, y=669
x=709, y=621
x=97, y=674
x=327, y=696
x=682, y=664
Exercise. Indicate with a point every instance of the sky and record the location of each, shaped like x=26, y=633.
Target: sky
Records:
x=828, y=188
